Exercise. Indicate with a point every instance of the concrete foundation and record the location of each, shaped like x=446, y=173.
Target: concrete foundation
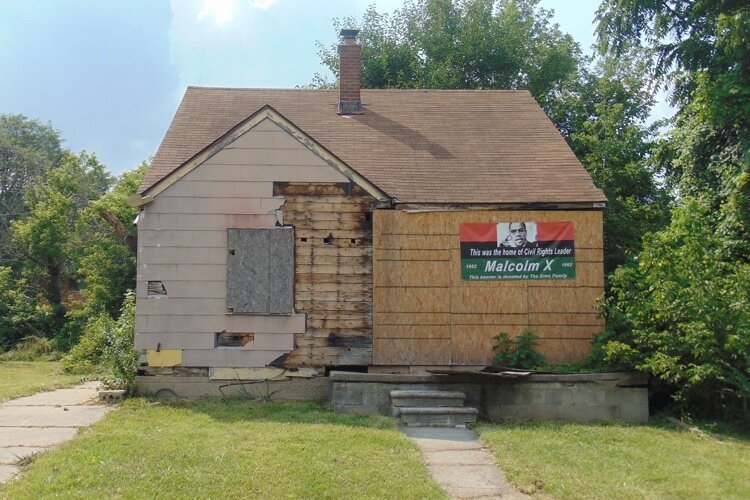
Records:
x=197, y=386
x=567, y=397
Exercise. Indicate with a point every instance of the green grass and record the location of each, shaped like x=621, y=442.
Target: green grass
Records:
x=21, y=378
x=617, y=461
x=230, y=449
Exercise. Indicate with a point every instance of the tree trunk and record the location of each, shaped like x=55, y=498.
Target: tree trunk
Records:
x=128, y=239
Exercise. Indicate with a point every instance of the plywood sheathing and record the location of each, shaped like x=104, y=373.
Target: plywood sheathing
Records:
x=333, y=272
x=424, y=314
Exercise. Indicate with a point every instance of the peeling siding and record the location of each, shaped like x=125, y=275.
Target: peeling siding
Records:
x=182, y=238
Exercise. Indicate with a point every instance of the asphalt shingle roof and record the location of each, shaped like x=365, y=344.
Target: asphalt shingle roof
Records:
x=419, y=146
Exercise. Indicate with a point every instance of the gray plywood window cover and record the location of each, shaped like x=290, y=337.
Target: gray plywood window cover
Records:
x=260, y=271
x=156, y=289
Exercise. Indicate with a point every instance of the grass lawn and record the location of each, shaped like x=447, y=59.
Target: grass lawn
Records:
x=21, y=378
x=230, y=449
x=620, y=461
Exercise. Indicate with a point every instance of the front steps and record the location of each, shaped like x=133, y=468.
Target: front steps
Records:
x=432, y=408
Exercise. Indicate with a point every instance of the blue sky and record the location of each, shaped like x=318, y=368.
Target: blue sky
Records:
x=109, y=74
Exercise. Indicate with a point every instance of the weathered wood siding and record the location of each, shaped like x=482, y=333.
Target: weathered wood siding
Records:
x=333, y=272
x=182, y=242
x=424, y=314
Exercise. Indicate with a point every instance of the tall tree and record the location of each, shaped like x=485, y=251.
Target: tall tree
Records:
x=600, y=107
x=701, y=49
x=48, y=238
x=679, y=311
x=472, y=44
x=28, y=149
x=603, y=113
x=108, y=260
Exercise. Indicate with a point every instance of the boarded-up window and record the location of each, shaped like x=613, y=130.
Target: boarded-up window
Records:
x=260, y=271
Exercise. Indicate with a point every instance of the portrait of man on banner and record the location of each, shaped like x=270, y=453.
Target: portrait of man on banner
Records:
x=517, y=235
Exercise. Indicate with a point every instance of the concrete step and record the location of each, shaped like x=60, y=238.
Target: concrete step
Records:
x=427, y=398
x=441, y=416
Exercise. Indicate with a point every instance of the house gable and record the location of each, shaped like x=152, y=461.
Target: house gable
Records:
x=276, y=145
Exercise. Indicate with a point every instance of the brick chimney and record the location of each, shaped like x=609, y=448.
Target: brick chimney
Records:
x=350, y=78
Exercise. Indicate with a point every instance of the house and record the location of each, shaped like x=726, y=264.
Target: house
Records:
x=371, y=230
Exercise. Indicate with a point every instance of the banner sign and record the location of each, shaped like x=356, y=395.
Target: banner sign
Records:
x=517, y=251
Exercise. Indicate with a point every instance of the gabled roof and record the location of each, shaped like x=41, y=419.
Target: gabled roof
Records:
x=418, y=146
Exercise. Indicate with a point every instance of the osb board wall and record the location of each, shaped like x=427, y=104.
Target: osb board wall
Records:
x=333, y=272
x=182, y=242
x=424, y=314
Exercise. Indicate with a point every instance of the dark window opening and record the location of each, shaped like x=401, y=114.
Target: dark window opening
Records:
x=231, y=339
x=156, y=289
x=303, y=240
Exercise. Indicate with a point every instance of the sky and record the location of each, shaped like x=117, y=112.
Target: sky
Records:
x=109, y=74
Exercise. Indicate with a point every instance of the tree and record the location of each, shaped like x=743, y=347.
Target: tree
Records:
x=701, y=49
x=603, y=115
x=474, y=44
x=18, y=315
x=601, y=107
x=680, y=311
x=684, y=311
x=48, y=238
x=108, y=261
x=28, y=149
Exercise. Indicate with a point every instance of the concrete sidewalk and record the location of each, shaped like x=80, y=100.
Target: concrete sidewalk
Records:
x=34, y=423
x=460, y=464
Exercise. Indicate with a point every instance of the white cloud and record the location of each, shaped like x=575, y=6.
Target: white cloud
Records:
x=222, y=11
x=262, y=4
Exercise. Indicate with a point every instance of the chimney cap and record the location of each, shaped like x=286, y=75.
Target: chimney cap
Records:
x=348, y=34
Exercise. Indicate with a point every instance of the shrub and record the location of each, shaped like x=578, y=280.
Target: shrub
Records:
x=33, y=349
x=518, y=352
x=680, y=312
x=92, y=346
x=107, y=345
x=19, y=317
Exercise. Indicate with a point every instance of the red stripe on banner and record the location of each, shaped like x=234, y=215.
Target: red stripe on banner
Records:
x=552, y=231
x=478, y=231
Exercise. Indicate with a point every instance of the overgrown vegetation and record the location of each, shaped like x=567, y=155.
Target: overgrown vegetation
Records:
x=685, y=316
x=66, y=257
x=230, y=449
x=518, y=352
x=107, y=346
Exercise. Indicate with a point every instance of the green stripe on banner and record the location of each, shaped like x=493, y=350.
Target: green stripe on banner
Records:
x=518, y=268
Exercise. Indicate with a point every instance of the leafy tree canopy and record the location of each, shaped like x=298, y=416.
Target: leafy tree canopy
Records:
x=28, y=149
x=702, y=49
x=473, y=44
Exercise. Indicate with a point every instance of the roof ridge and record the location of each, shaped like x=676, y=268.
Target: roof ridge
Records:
x=399, y=90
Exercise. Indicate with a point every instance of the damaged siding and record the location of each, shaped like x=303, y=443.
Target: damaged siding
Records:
x=183, y=244
x=333, y=272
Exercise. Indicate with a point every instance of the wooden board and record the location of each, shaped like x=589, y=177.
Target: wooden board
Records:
x=416, y=261
x=333, y=271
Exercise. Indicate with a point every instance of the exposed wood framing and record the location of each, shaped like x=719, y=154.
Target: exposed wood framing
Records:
x=333, y=271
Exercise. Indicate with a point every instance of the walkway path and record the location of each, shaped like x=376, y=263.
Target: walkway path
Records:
x=460, y=464
x=34, y=423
